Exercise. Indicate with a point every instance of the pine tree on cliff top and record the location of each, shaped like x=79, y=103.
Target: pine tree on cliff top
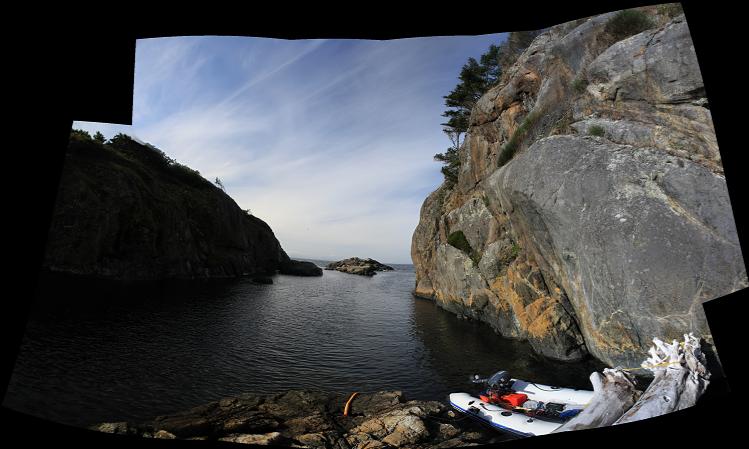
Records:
x=99, y=137
x=476, y=77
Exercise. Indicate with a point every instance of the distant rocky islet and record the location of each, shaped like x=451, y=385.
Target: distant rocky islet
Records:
x=355, y=265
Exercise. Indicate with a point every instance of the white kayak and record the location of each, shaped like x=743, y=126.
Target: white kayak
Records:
x=500, y=418
x=545, y=393
x=519, y=423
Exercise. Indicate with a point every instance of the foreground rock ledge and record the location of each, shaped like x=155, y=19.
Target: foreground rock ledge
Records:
x=355, y=265
x=315, y=419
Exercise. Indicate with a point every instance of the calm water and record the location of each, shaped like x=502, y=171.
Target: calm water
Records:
x=97, y=351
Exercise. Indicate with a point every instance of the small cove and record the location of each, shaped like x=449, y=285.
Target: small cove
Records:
x=110, y=351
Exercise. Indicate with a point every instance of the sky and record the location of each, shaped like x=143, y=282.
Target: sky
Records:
x=331, y=142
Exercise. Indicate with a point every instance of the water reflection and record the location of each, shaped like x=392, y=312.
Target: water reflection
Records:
x=464, y=347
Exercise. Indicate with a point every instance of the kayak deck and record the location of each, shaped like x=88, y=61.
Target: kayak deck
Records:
x=546, y=393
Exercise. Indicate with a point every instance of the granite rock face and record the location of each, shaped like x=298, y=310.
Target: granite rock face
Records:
x=125, y=212
x=355, y=265
x=636, y=237
x=580, y=244
x=315, y=419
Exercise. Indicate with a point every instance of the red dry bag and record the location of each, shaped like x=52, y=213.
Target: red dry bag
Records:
x=515, y=399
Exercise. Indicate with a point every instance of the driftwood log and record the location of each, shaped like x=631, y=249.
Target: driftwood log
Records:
x=614, y=393
x=679, y=379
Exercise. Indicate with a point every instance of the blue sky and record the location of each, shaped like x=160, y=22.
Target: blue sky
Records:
x=331, y=142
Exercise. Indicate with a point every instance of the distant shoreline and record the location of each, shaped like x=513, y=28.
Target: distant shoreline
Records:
x=324, y=262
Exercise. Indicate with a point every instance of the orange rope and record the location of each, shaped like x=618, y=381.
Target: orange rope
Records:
x=346, y=408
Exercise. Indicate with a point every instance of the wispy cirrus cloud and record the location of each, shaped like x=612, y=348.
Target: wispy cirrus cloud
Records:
x=329, y=141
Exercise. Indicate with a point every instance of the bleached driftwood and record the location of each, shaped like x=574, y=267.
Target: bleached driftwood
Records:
x=680, y=378
x=614, y=393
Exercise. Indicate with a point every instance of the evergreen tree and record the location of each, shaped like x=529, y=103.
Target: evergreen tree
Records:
x=79, y=133
x=473, y=83
x=451, y=163
x=491, y=63
x=476, y=77
x=99, y=137
x=120, y=140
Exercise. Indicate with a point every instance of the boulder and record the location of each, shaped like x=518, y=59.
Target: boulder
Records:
x=259, y=439
x=164, y=435
x=119, y=428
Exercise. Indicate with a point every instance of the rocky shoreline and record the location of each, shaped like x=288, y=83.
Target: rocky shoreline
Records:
x=355, y=265
x=313, y=419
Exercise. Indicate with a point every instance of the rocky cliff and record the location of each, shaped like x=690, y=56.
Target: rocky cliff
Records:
x=126, y=211
x=591, y=197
